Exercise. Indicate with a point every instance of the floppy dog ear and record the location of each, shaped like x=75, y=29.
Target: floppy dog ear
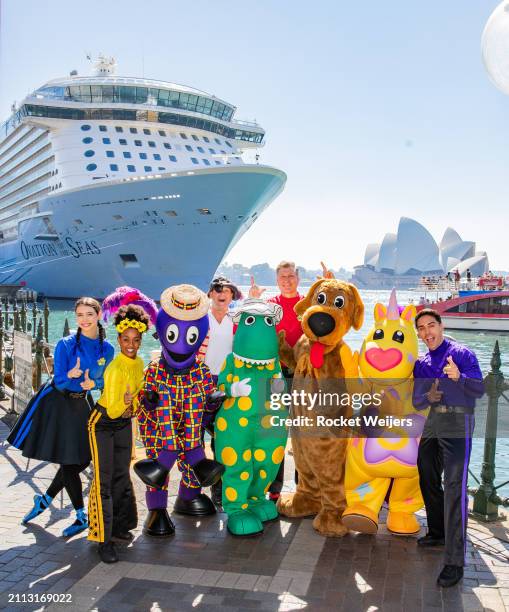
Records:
x=301, y=306
x=358, y=312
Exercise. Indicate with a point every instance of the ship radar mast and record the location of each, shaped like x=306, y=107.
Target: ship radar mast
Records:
x=103, y=66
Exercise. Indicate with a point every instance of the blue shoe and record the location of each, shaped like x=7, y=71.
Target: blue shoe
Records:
x=41, y=502
x=79, y=525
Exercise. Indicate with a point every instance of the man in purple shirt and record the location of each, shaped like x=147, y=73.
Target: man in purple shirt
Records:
x=448, y=380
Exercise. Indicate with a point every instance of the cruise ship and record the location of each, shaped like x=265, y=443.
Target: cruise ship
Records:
x=108, y=180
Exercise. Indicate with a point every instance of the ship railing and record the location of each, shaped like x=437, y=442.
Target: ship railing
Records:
x=245, y=122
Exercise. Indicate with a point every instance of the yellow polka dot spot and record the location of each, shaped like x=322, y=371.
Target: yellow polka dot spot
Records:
x=278, y=454
x=267, y=421
x=267, y=488
x=243, y=422
x=248, y=365
x=244, y=506
x=270, y=366
x=268, y=406
x=231, y=494
x=259, y=454
x=221, y=387
x=245, y=403
x=229, y=378
x=228, y=403
x=221, y=424
x=263, y=474
x=246, y=455
x=253, y=497
x=236, y=379
x=238, y=363
x=223, y=366
x=260, y=367
x=228, y=456
x=244, y=475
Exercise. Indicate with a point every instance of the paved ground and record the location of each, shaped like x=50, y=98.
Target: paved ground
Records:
x=290, y=567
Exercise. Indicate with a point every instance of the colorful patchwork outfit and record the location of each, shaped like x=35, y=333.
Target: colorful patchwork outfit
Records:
x=175, y=402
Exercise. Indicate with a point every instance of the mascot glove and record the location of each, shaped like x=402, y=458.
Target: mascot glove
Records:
x=241, y=388
x=277, y=385
x=150, y=400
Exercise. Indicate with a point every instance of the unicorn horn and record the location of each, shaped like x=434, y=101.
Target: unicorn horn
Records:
x=393, y=310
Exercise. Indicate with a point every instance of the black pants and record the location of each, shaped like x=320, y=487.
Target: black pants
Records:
x=112, y=504
x=445, y=448
x=68, y=477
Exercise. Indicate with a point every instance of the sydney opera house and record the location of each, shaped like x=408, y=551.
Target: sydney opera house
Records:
x=401, y=259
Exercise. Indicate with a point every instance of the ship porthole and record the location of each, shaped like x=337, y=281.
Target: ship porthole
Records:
x=91, y=167
x=89, y=153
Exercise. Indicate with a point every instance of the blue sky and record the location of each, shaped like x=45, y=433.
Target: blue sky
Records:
x=374, y=110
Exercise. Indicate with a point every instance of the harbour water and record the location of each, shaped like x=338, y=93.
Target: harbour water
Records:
x=481, y=343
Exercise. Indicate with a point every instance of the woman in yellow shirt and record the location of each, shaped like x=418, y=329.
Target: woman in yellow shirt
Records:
x=112, y=504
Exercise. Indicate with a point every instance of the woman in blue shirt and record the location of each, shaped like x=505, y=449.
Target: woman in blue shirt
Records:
x=54, y=425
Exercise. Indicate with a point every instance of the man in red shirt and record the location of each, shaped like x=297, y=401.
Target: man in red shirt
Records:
x=287, y=278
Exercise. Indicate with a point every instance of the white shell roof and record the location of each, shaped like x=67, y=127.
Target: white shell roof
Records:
x=416, y=248
x=387, y=254
x=371, y=254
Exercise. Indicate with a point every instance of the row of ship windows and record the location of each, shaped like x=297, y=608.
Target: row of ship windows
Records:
x=103, y=128
x=156, y=156
x=132, y=168
x=150, y=143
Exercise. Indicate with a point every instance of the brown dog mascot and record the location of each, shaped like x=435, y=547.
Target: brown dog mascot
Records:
x=329, y=310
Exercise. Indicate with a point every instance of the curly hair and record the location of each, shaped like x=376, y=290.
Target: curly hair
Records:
x=133, y=312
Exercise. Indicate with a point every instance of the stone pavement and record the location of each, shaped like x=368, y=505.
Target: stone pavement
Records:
x=290, y=567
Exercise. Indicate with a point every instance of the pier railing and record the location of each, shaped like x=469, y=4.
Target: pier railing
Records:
x=23, y=316
x=487, y=501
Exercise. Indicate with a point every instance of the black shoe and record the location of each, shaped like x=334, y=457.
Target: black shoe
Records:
x=201, y=505
x=158, y=524
x=124, y=537
x=429, y=540
x=151, y=472
x=208, y=472
x=450, y=575
x=108, y=553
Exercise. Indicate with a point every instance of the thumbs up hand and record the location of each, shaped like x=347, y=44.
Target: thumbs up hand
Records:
x=451, y=370
x=76, y=371
x=434, y=395
x=128, y=396
x=88, y=383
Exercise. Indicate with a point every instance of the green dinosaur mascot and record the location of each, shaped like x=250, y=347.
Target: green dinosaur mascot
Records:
x=250, y=430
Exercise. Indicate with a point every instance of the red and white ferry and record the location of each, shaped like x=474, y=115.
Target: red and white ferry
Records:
x=481, y=304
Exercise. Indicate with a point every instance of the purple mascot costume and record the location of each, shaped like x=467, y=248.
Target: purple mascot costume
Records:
x=177, y=399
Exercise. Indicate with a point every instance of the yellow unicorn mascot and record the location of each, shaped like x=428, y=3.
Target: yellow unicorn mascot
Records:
x=382, y=454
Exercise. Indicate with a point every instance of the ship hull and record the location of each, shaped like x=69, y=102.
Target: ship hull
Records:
x=149, y=233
